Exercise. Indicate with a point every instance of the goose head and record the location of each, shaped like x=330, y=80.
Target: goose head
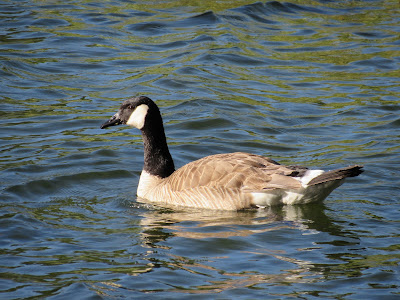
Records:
x=142, y=113
x=138, y=112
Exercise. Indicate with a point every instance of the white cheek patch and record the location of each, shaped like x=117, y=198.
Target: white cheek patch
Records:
x=138, y=116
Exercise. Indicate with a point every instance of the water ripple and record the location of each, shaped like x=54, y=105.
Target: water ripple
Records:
x=310, y=83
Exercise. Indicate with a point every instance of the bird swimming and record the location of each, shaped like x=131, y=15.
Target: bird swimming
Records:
x=228, y=181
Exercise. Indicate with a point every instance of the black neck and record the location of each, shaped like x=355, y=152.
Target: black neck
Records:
x=157, y=159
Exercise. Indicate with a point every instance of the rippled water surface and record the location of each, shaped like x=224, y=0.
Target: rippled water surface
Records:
x=314, y=83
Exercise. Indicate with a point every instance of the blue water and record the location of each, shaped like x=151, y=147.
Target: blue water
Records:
x=314, y=83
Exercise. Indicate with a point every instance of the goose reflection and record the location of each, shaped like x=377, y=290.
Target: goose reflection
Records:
x=171, y=237
x=200, y=224
x=223, y=229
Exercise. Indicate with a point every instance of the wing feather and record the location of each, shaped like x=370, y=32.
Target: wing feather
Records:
x=240, y=171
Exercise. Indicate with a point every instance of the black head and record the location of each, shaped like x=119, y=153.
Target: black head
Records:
x=142, y=113
x=133, y=112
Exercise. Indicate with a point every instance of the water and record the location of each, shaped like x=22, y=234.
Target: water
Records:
x=304, y=82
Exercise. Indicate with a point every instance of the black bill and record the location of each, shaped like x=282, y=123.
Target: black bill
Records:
x=114, y=120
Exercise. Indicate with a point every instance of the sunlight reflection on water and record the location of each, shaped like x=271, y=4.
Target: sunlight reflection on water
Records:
x=311, y=83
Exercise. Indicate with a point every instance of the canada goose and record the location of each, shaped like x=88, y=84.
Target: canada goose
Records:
x=229, y=181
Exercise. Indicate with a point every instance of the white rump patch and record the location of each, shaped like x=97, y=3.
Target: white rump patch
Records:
x=303, y=195
x=308, y=176
x=138, y=116
x=271, y=198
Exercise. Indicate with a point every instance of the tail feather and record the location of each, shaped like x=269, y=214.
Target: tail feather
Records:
x=338, y=174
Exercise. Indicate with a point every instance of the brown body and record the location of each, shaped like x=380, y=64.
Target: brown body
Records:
x=229, y=181
x=234, y=181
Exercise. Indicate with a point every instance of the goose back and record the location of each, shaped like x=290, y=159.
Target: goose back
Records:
x=221, y=181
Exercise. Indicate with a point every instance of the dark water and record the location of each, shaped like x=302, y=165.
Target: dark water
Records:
x=304, y=82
